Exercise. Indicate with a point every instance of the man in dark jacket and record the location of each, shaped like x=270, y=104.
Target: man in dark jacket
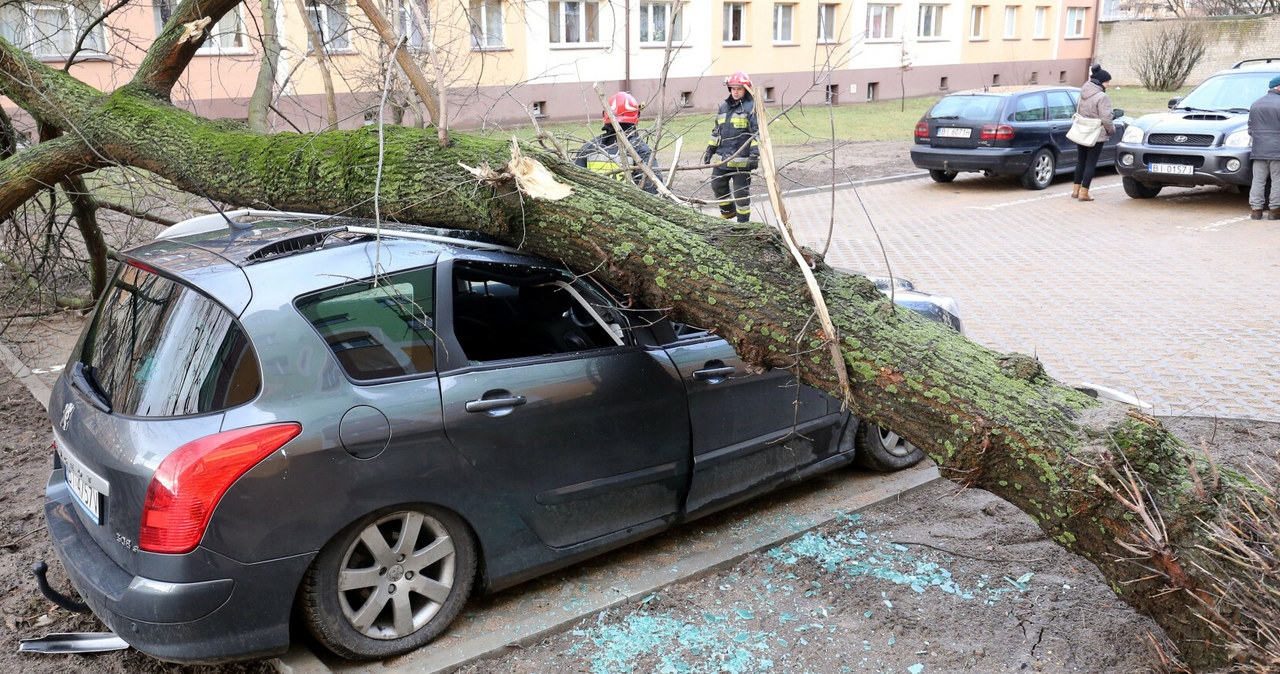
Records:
x=600, y=154
x=734, y=138
x=1264, y=130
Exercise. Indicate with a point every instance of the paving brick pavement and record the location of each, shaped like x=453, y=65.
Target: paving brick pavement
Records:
x=1171, y=299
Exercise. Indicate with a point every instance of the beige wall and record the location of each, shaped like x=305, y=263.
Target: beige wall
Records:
x=1230, y=40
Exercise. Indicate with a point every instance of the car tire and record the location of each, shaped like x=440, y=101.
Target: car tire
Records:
x=884, y=451
x=1041, y=171
x=390, y=582
x=1139, y=190
x=941, y=176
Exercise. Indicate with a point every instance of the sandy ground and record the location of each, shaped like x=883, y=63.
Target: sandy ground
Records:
x=939, y=581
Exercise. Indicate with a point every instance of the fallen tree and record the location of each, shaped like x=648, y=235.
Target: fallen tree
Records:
x=1104, y=481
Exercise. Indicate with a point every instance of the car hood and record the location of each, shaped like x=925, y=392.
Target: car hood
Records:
x=1193, y=122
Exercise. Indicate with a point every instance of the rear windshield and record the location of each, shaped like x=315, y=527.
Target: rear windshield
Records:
x=1233, y=92
x=978, y=108
x=158, y=348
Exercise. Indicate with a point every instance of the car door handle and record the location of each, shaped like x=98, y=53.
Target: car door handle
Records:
x=714, y=373
x=491, y=404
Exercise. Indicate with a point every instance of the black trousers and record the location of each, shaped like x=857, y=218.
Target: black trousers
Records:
x=725, y=181
x=1087, y=163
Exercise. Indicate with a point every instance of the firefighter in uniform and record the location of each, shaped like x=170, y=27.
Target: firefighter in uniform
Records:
x=734, y=139
x=600, y=154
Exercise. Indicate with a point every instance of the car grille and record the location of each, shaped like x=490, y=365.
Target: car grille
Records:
x=1153, y=158
x=1186, y=139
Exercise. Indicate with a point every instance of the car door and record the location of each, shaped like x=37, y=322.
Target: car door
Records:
x=751, y=430
x=1029, y=119
x=1061, y=106
x=580, y=440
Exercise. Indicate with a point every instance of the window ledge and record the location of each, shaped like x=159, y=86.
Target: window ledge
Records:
x=831, y=42
x=502, y=48
x=236, y=51
x=574, y=46
x=735, y=44
x=933, y=39
x=1011, y=39
x=663, y=45
x=883, y=40
x=1075, y=37
x=786, y=44
x=978, y=39
x=82, y=57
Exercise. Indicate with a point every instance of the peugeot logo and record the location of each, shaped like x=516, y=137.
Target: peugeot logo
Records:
x=1179, y=139
x=66, y=415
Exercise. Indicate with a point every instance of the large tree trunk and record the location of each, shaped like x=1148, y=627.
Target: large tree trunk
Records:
x=1105, y=482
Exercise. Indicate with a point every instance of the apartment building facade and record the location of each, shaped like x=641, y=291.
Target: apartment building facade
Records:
x=501, y=61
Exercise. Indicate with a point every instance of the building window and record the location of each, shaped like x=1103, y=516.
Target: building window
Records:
x=686, y=99
x=1042, y=18
x=574, y=22
x=412, y=21
x=1062, y=77
x=768, y=94
x=1011, y=22
x=329, y=18
x=942, y=84
x=655, y=18
x=51, y=29
x=1075, y=21
x=485, y=17
x=978, y=22
x=782, y=20
x=539, y=108
x=879, y=22
x=1035, y=77
x=871, y=90
x=930, y=21
x=735, y=19
x=827, y=22
x=833, y=94
x=226, y=35
x=995, y=80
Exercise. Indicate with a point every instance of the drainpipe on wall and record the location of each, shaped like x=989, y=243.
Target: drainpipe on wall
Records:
x=1097, y=33
x=626, y=46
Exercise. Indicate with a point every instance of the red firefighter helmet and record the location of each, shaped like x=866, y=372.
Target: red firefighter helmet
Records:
x=625, y=108
x=738, y=79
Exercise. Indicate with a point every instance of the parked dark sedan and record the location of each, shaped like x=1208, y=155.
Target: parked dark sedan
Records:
x=275, y=416
x=1015, y=130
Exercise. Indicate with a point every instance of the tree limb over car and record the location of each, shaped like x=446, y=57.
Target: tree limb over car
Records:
x=1106, y=482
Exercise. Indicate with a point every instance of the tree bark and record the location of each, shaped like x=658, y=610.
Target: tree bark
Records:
x=1105, y=482
x=265, y=86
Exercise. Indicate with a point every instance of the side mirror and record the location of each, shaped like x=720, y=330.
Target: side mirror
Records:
x=1117, y=113
x=1174, y=101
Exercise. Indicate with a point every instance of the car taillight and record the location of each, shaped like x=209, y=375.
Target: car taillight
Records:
x=189, y=482
x=997, y=132
x=922, y=129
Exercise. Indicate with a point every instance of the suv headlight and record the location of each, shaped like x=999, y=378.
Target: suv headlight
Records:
x=1132, y=135
x=1239, y=139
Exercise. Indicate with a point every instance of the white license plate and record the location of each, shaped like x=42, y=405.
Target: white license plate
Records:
x=88, y=489
x=954, y=132
x=1174, y=169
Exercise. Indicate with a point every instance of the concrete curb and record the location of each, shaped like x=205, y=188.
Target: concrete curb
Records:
x=38, y=390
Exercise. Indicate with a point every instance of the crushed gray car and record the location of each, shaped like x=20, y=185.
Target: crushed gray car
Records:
x=284, y=420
